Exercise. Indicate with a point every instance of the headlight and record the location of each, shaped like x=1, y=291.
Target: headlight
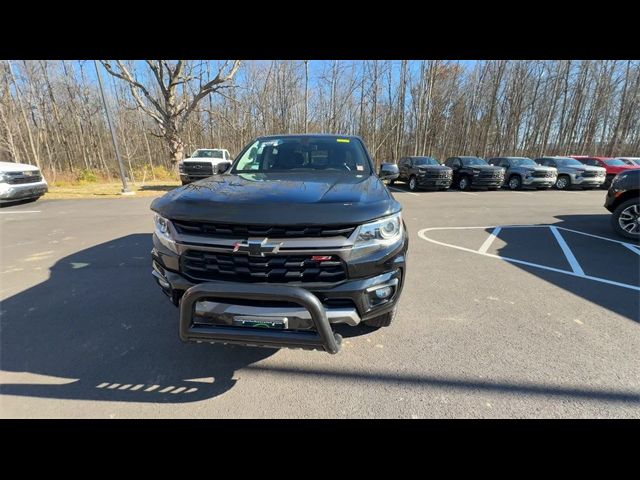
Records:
x=3, y=177
x=476, y=172
x=376, y=235
x=163, y=232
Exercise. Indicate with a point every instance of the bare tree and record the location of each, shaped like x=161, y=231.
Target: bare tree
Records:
x=164, y=104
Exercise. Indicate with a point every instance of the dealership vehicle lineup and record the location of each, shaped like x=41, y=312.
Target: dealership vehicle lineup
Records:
x=301, y=243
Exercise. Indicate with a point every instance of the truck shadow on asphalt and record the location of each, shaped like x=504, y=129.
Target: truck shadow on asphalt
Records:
x=598, y=258
x=101, y=322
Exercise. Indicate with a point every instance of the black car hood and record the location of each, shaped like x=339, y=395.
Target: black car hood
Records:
x=280, y=198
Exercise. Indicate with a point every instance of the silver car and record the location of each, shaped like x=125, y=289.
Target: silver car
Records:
x=524, y=172
x=573, y=173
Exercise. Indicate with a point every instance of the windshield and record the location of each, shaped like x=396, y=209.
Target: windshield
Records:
x=425, y=161
x=208, y=154
x=569, y=162
x=304, y=153
x=473, y=161
x=615, y=163
x=523, y=162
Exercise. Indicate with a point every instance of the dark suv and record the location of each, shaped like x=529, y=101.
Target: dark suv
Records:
x=623, y=200
x=300, y=233
x=475, y=172
x=424, y=172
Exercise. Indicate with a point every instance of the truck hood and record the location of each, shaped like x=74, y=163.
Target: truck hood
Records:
x=16, y=167
x=482, y=167
x=280, y=199
x=538, y=168
x=586, y=168
x=433, y=167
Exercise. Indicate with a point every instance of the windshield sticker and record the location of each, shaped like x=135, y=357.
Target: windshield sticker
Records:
x=342, y=140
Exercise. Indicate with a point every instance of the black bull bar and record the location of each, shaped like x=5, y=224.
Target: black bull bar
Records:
x=322, y=338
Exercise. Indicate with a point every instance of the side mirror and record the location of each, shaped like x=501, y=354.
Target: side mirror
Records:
x=389, y=171
x=223, y=167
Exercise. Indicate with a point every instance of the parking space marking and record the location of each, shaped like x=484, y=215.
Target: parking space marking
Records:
x=633, y=248
x=487, y=243
x=523, y=193
x=575, y=266
x=468, y=193
x=422, y=234
x=402, y=191
x=20, y=211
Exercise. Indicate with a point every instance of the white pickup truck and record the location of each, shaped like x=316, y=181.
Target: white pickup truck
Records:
x=19, y=181
x=203, y=163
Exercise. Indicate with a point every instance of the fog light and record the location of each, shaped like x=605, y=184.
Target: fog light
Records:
x=384, y=292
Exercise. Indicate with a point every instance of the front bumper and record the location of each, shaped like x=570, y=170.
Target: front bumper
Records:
x=192, y=178
x=587, y=181
x=486, y=182
x=213, y=308
x=539, y=181
x=9, y=193
x=427, y=182
x=321, y=337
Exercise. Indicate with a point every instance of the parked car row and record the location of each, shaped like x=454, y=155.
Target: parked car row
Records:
x=515, y=173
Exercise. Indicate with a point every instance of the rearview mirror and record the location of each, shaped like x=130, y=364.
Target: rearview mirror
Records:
x=389, y=171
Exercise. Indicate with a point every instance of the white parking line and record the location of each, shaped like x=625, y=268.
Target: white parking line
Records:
x=576, y=272
x=468, y=193
x=575, y=266
x=19, y=211
x=633, y=248
x=523, y=193
x=401, y=191
x=487, y=243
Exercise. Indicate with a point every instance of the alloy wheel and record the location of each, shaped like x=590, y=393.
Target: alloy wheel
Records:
x=629, y=219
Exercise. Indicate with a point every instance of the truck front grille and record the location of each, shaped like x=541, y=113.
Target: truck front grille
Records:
x=221, y=230
x=206, y=266
x=18, y=178
x=588, y=174
x=438, y=174
x=490, y=174
x=548, y=174
x=199, y=168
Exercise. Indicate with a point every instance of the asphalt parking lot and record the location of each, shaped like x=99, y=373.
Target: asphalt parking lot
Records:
x=517, y=304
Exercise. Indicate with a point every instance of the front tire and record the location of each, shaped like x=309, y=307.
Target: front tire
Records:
x=626, y=219
x=563, y=182
x=464, y=183
x=383, y=320
x=515, y=182
x=413, y=183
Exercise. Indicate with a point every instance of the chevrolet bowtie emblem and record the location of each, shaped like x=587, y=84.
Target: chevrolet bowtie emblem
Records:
x=256, y=248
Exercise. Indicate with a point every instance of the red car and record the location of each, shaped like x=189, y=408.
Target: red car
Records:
x=613, y=166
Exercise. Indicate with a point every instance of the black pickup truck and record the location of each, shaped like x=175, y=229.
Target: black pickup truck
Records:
x=471, y=172
x=424, y=172
x=300, y=233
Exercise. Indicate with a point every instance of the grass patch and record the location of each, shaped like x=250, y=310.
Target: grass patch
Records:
x=83, y=189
